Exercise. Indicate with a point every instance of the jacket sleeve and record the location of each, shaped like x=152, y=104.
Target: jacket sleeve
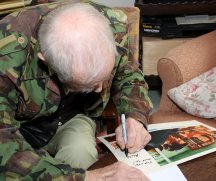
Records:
x=18, y=160
x=129, y=89
x=130, y=92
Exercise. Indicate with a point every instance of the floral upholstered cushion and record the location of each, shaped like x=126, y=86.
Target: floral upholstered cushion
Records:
x=197, y=96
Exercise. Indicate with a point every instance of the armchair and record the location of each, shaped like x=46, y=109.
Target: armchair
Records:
x=180, y=65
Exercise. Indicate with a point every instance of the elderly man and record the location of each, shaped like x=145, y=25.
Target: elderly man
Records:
x=59, y=66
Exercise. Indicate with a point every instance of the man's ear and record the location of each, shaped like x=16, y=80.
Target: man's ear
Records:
x=40, y=56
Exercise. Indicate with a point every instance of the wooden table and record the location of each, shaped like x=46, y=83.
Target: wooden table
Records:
x=199, y=169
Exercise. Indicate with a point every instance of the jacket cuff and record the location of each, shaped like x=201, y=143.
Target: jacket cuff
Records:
x=139, y=117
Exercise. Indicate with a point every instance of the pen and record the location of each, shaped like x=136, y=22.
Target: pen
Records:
x=124, y=132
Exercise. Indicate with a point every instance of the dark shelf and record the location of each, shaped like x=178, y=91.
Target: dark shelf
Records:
x=178, y=8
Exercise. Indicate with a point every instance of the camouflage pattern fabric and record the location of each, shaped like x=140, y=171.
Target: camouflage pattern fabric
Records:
x=28, y=91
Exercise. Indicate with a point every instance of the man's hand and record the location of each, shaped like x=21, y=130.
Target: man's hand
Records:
x=138, y=136
x=118, y=171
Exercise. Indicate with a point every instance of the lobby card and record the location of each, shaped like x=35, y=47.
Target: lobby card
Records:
x=178, y=142
x=172, y=143
x=142, y=159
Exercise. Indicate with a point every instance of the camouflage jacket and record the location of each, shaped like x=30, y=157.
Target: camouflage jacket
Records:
x=29, y=91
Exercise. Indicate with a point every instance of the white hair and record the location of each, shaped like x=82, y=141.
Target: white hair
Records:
x=77, y=42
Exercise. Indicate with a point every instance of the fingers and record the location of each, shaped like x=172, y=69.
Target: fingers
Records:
x=142, y=139
x=119, y=137
x=129, y=173
x=116, y=172
x=138, y=144
x=138, y=136
x=147, y=137
x=122, y=171
x=137, y=174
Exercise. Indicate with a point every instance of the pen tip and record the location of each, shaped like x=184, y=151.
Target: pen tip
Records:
x=126, y=152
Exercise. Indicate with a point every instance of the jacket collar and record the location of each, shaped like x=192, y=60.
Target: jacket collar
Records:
x=34, y=67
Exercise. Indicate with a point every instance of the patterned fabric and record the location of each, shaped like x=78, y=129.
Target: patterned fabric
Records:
x=197, y=96
x=30, y=93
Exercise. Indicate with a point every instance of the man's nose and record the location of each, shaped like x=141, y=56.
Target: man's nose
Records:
x=99, y=87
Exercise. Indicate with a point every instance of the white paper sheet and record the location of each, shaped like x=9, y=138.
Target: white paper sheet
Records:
x=172, y=173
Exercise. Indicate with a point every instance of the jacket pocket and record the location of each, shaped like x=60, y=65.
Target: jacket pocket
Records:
x=13, y=43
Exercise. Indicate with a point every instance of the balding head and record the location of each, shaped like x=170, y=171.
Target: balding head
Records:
x=77, y=42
